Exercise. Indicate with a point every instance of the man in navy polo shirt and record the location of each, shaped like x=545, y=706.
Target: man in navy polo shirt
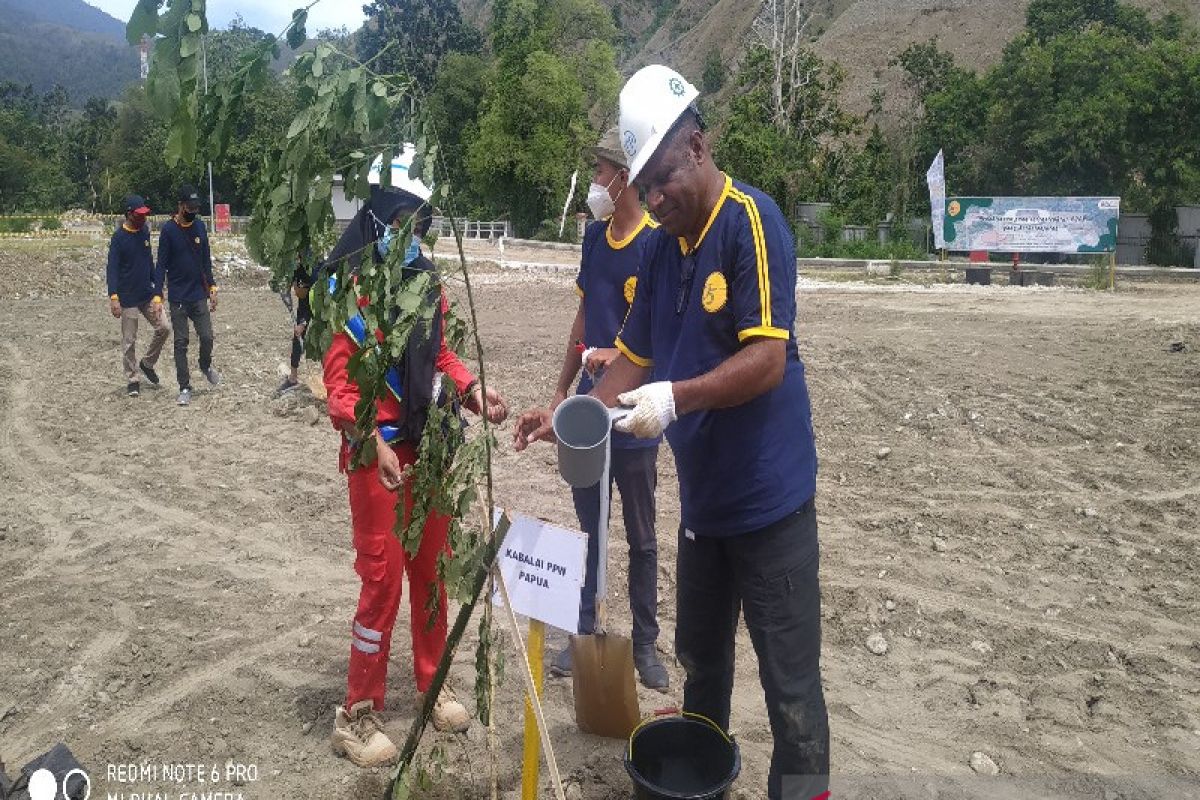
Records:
x=613, y=248
x=185, y=265
x=708, y=355
x=133, y=293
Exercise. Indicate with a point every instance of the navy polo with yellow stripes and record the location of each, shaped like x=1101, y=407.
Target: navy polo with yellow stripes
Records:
x=742, y=468
x=606, y=283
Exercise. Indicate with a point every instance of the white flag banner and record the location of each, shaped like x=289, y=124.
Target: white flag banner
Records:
x=936, y=178
x=570, y=196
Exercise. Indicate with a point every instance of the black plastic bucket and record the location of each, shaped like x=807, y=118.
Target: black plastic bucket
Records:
x=684, y=757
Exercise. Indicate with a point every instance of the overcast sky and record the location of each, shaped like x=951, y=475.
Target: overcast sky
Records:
x=268, y=15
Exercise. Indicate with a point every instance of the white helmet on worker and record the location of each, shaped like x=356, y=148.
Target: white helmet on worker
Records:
x=651, y=101
x=400, y=176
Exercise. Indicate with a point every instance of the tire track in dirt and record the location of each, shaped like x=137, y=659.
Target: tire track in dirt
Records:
x=79, y=680
x=1166, y=633
x=39, y=502
x=20, y=445
x=223, y=557
x=156, y=704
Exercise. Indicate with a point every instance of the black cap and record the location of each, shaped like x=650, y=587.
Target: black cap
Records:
x=188, y=194
x=136, y=204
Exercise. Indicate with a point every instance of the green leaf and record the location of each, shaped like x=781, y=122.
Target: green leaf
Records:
x=194, y=23
x=163, y=85
x=174, y=149
x=296, y=35
x=189, y=46
x=282, y=194
x=299, y=123
x=142, y=22
x=185, y=123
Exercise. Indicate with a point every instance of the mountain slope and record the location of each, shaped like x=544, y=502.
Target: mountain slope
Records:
x=73, y=14
x=42, y=53
x=862, y=35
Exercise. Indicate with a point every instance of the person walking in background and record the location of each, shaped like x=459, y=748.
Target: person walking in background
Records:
x=134, y=292
x=185, y=268
x=301, y=283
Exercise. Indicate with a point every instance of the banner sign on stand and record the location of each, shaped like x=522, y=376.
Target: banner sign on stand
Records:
x=543, y=567
x=224, y=221
x=1032, y=224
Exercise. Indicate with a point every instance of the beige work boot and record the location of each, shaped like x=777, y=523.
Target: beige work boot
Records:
x=358, y=735
x=449, y=715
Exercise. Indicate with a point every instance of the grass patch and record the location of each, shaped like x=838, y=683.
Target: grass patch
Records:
x=1097, y=275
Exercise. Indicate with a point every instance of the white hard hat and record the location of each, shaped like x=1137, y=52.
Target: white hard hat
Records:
x=400, y=178
x=651, y=100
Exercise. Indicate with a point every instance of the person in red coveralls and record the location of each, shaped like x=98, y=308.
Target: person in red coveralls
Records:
x=414, y=382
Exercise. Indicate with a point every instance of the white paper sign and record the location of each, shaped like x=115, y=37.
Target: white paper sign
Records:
x=543, y=568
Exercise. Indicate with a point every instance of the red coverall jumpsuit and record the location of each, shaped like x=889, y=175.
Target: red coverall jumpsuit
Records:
x=380, y=558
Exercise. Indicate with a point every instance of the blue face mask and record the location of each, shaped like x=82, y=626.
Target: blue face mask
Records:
x=414, y=250
x=384, y=244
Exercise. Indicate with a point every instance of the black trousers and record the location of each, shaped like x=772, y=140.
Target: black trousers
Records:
x=198, y=313
x=635, y=472
x=771, y=576
x=303, y=315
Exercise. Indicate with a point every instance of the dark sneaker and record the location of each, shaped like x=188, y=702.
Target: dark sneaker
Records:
x=212, y=376
x=650, y=670
x=185, y=397
x=133, y=389
x=149, y=372
x=562, y=663
x=287, y=386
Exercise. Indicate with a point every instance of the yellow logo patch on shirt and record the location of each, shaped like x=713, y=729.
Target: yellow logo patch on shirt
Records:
x=197, y=240
x=630, y=289
x=716, y=293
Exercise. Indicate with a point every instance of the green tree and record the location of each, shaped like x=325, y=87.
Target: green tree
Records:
x=134, y=155
x=269, y=104
x=869, y=185
x=412, y=37
x=88, y=134
x=783, y=142
x=1092, y=98
x=33, y=142
x=552, y=89
x=453, y=107
x=712, y=78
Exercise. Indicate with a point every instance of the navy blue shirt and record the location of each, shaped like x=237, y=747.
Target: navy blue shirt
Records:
x=184, y=261
x=131, y=267
x=747, y=467
x=607, y=282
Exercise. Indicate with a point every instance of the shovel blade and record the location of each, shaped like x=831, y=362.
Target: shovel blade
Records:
x=606, y=702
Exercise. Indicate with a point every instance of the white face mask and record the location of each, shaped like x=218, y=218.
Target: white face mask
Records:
x=599, y=202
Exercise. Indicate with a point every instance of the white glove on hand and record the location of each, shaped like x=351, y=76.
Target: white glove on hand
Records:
x=653, y=410
x=587, y=353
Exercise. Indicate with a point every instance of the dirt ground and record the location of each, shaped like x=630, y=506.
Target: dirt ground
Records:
x=1009, y=494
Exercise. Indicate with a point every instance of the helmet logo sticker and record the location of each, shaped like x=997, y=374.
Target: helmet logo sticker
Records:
x=629, y=142
x=676, y=86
